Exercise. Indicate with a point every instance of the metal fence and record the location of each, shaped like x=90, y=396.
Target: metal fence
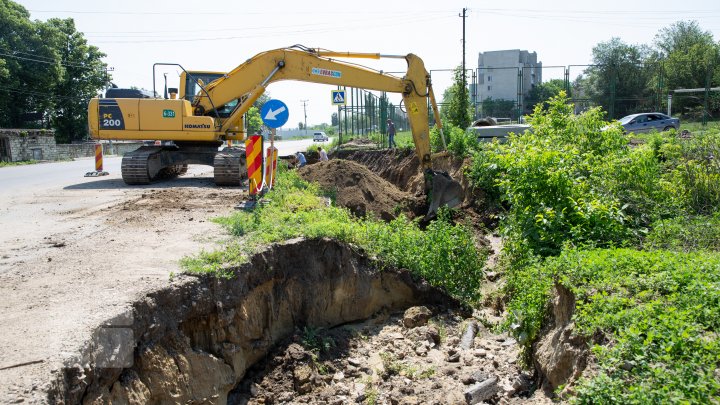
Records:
x=619, y=90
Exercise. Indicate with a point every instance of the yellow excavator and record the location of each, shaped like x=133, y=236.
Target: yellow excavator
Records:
x=211, y=106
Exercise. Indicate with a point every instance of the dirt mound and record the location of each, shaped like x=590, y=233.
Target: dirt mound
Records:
x=401, y=167
x=359, y=189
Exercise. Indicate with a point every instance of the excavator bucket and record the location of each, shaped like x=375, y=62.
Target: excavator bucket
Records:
x=445, y=191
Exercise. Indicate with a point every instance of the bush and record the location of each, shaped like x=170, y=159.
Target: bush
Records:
x=459, y=141
x=660, y=310
x=485, y=172
x=547, y=178
x=444, y=254
x=686, y=234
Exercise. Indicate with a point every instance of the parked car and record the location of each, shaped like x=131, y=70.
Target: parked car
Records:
x=320, y=136
x=646, y=122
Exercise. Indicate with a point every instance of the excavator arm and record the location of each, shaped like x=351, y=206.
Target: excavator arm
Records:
x=249, y=80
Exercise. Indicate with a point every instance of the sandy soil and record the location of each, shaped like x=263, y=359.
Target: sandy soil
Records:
x=73, y=256
x=359, y=189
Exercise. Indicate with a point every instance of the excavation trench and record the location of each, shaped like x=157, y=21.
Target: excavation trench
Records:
x=193, y=341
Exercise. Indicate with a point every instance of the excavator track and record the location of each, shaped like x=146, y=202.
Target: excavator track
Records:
x=229, y=167
x=135, y=166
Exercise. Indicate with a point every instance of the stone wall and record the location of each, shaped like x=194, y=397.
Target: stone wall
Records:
x=39, y=144
x=73, y=151
x=27, y=144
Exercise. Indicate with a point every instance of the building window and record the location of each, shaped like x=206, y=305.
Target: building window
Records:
x=489, y=78
x=489, y=88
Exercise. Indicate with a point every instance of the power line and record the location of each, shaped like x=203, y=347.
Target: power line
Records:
x=272, y=29
x=265, y=35
x=45, y=95
x=47, y=62
x=193, y=13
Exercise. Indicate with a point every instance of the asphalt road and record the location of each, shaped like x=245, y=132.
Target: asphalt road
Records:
x=30, y=178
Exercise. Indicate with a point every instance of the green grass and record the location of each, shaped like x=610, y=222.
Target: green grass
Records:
x=655, y=315
x=571, y=194
x=698, y=127
x=444, y=253
x=20, y=163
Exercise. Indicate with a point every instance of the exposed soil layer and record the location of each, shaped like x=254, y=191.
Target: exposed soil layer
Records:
x=388, y=360
x=194, y=340
x=402, y=168
x=359, y=189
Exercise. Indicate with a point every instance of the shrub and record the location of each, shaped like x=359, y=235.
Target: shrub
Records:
x=444, y=254
x=686, y=234
x=660, y=310
x=459, y=141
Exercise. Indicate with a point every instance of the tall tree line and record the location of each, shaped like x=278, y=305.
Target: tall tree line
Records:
x=48, y=73
x=627, y=78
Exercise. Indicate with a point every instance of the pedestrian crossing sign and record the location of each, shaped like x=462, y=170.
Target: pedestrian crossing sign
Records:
x=338, y=97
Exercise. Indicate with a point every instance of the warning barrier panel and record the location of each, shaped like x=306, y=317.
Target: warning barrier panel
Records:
x=271, y=166
x=254, y=161
x=98, y=157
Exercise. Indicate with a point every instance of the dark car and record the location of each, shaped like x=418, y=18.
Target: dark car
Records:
x=646, y=122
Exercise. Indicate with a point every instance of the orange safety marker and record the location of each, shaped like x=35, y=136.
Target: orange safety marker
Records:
x=98, y=163
x=254, y=161
x=271, y=166
x=98, y=157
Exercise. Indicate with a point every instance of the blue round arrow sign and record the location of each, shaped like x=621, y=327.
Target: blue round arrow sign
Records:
x=274, y=113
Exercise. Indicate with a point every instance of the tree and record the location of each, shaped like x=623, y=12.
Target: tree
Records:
x=253, y=121
x=619, y=81
x=498, y=108
x=82, y=74
x=264, y=98
x=47, y=69
x=688, y=55
x=542, y=92
x=28, y=66
x=456, y=102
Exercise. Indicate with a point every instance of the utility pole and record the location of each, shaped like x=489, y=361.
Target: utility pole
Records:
x=463, y=16
x=305, y=112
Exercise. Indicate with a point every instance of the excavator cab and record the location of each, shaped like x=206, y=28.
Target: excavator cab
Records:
x=192, y=84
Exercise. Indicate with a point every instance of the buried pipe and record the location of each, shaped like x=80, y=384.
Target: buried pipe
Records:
x=195, y=340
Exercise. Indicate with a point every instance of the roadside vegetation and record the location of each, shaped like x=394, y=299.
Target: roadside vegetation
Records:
x=444, y=253
x=20, y=163
x=631, y=231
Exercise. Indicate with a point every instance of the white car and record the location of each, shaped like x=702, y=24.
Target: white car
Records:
x=320, y=136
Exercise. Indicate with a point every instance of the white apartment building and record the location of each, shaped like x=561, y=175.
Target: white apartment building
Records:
x=507, y=75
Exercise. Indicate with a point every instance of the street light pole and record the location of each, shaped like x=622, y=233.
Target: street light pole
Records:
x=305, y=112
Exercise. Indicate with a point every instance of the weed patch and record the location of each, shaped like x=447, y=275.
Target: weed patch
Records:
x=444, y=253
x=659, y=311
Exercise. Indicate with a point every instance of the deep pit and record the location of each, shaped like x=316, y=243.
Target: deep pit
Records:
x=195, y=340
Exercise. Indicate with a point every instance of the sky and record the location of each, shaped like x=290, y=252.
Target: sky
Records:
x=218, y=35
